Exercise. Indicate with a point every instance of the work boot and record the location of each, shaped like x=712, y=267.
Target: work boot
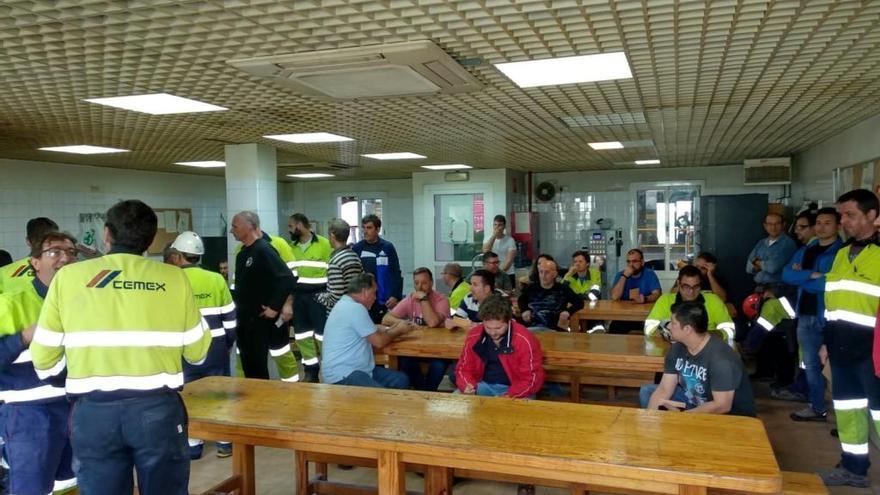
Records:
x=841, y=476
x=224, y=449
x=310, y=374
x=809, y=414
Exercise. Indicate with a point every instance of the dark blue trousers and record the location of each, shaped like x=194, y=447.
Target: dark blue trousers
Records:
x=38, y=447
x=147, y=433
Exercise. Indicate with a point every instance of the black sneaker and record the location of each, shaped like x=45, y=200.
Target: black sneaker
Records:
x=311, y=375
x=786, y=394
x=841, y=476
x=809, y=414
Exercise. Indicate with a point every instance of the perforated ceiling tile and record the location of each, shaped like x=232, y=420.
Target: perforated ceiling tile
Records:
x=716, y=82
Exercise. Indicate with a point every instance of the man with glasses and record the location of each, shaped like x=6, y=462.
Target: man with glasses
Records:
x=803, y=227
x=37, y=444
x=492, y=263
x=771, y=253
x=635, y=282
x=689, y=279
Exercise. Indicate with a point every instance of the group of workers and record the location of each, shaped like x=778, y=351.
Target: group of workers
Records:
x=94, y=352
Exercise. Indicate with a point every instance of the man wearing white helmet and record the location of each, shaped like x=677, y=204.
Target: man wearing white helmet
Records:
x=215, y=304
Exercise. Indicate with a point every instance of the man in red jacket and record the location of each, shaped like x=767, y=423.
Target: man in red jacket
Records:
x=500, y=357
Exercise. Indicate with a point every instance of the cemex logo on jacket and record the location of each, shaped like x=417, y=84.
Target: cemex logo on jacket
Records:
x=109, y=277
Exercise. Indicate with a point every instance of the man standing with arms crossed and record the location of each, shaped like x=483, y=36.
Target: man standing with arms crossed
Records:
x=122, y=323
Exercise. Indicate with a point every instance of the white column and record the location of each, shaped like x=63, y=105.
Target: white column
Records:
x=251, y=184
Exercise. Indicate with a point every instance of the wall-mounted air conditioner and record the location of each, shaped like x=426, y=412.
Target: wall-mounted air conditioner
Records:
x=396, y=69
x=767, y=171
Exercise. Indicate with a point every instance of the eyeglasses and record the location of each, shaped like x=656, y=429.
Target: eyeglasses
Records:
x=56, y=252
x=496, y=262
x=689, y=287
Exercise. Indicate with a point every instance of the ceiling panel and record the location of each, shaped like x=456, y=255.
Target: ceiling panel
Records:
x=715, y=81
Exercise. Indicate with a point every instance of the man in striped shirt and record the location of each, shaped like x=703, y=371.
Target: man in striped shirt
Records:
x=343, y=266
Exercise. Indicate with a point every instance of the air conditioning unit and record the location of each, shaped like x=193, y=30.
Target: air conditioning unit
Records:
x=396, y=69
x=767, y=171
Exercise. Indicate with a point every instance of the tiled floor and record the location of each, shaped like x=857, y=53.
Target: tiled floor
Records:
x=804, y=447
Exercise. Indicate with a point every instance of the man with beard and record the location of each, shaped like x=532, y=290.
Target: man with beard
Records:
x=634, y=283
x=311, y=253
x=689, y=291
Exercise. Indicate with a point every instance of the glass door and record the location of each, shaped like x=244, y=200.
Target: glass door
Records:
x=666, y=224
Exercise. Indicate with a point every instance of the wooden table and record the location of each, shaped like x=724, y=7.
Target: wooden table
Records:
x=610, y=352
x=623, y=448
x=610, y=310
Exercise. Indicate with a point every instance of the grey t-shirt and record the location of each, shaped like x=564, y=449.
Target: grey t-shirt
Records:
x=716, y=367
x=500, y=247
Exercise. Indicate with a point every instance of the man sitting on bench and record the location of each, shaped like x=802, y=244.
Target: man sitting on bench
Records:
x=350, y=335
x=701, y=374
x=500, y=357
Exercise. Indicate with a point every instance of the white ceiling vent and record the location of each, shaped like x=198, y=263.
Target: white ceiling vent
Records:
x=767, y=171
x=395, y=69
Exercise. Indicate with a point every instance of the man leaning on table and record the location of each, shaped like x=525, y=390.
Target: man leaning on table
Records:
x=701, y=374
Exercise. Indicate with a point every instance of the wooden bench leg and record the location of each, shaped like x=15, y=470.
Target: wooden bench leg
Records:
x=321, y=470
x=612, y=392
x=302, y=472
x=691, y=490
x=243, y=465
x=579, y=489
x=438, y=481
x=575, y=384
x=392, y=472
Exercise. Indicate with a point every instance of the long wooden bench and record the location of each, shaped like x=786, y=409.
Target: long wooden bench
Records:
x=793, y=483
x=612, y=447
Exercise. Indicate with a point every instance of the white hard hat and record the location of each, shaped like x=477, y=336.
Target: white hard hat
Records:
x=190, y=243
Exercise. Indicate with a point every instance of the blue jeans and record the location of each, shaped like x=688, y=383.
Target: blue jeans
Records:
x=38, y=446
x=146, y=433
x=430, y=381
x=646, y=390
x=809, y=334
x=381, y=378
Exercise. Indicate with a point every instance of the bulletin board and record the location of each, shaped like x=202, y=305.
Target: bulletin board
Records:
x=172, y=221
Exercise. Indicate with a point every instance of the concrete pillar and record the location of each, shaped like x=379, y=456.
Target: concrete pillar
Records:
x=252, y=184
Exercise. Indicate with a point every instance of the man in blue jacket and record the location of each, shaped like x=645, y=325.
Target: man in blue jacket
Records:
x=806, y=271
x=771, y=253
x=379, y=258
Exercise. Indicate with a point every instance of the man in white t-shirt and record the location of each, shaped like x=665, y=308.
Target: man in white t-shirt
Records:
x=502, y=244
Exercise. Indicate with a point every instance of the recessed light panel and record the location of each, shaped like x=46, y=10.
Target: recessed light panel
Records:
x=395, y=156
x=309, y=137
x=647, y=162
x=567, y=70
x=455, y=166
x=84, y=149
x=309, y=176
x=206, y=164
x=157, y=104
x=607, y=145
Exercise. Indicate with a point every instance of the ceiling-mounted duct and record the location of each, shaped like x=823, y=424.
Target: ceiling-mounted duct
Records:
x=396, y=69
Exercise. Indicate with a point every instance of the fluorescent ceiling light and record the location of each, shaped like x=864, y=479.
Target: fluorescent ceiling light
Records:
x=395, y=156
x=310, y=137
x=84, y=149
x=647, y=162
x=157, y=104
x=206, y=164
x=567, y=70
x=456, y=166
x=309, y=176
x=607, y=145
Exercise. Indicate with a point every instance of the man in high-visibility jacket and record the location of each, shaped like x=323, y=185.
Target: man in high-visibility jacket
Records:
x=19, y=273
x=37, y=443
x=689, y=278
x=311, y=255
x=122, y=323
x=215, y=304
x=852, y=292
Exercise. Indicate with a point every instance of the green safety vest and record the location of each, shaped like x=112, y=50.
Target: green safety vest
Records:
x=213, y=299
x=773, y=312
x=457, y=295
x=120, y=322
x=852, y=288
x=16, y=276
x=310, y=264
x=719, y=318
x=594, y=281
